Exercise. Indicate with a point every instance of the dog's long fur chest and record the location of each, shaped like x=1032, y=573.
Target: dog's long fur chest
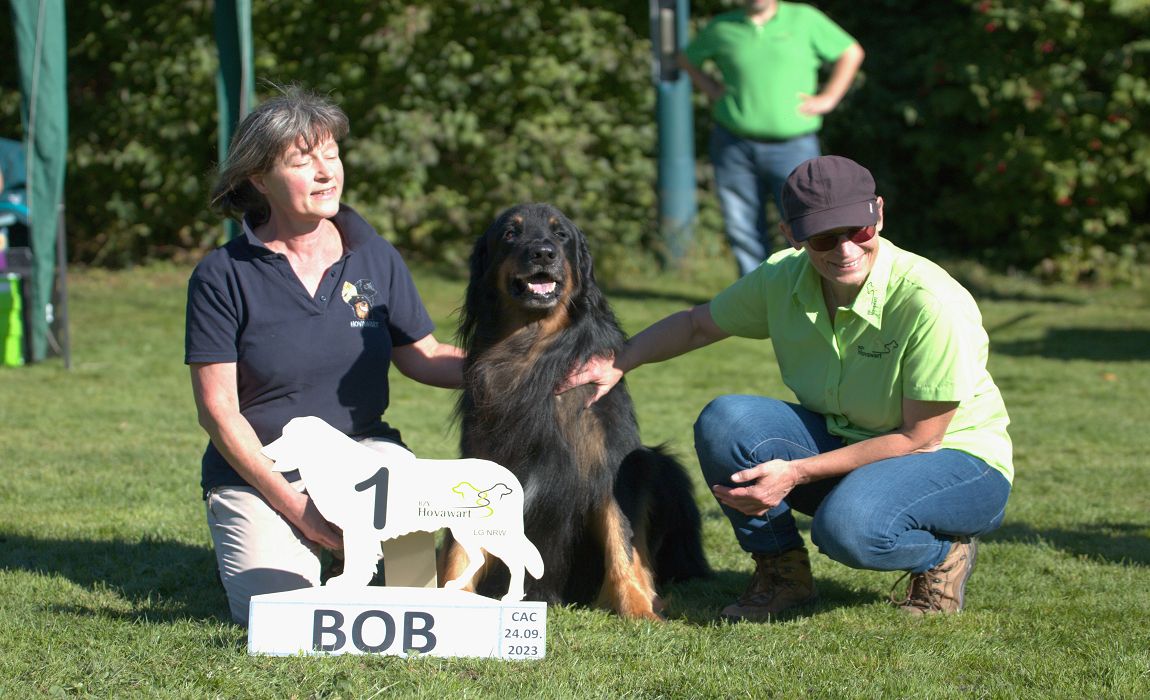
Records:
x=510, y=390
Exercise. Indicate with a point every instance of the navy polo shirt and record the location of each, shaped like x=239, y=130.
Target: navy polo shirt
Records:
x=298, y=355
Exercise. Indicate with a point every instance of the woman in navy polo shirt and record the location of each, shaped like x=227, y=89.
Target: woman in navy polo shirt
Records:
x=300, y=315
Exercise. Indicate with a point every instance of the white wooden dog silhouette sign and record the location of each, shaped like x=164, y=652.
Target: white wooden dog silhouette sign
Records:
x=373, y=497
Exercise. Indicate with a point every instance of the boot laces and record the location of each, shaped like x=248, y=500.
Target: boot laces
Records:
x=770, y=579
x=925, y=592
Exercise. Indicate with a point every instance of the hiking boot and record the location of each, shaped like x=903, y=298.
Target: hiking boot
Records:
x=943, y=588
x=781, y=582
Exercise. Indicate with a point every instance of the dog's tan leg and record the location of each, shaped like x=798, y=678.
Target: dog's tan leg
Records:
x=455, y=563
x=452, y=562
x=628, y=587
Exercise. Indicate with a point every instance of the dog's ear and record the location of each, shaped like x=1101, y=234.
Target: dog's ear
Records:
x=592, y=299
x=476, y=298
x=479, y=260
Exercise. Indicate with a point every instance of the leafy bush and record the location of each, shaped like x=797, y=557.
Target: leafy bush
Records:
x=458, y=109
x=142, y=130
x=1010, y=131
x=461, y=108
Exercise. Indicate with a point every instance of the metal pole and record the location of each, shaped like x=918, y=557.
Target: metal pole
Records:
x=676, y=141
x=65, y=339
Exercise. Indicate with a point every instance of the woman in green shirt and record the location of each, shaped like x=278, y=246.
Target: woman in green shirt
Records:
x=897, y=445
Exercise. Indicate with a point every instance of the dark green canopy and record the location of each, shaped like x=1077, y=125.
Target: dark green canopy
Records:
x=38, y=26
x=235, y=82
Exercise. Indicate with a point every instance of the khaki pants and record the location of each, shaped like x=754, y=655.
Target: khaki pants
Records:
x=258, y=551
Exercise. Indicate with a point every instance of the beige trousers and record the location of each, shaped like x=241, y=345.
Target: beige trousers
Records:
x=258, y=551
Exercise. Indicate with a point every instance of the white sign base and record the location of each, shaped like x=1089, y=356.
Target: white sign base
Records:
x=395, y=621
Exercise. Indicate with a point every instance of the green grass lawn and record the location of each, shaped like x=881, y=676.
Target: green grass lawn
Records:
x=108, y=589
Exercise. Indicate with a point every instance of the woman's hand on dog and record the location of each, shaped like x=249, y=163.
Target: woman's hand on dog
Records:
x=766, y=485
x=598, y=370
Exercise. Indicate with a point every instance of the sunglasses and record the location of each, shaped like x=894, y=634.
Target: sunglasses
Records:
x=827, y=242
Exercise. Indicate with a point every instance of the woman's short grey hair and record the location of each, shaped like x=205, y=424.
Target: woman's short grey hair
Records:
x=261, y=140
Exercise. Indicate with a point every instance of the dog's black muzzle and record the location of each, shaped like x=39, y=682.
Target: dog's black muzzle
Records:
x=539, y=281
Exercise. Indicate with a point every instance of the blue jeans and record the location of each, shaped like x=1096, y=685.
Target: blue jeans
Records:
x=745, y=173
x=895, y=514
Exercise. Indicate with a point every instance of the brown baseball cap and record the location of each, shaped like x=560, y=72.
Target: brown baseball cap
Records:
x=826, y=193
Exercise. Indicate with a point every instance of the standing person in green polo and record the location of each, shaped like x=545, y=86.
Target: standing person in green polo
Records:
x=768, y=107
x=897, y=444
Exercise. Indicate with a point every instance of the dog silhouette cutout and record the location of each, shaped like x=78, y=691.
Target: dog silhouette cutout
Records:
x=373, y=497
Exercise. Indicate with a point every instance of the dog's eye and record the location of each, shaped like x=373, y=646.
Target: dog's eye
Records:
x=509, y=234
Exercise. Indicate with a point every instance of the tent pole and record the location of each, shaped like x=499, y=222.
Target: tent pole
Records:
x=62, y=282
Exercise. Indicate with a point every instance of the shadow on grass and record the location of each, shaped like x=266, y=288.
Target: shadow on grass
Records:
x=162, y=580
x=1099, y=344
x=984, y=286
x=699, y=602
x=1116, y=543
x=687, y=299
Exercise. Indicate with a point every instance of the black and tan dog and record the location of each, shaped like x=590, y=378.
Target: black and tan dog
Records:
x=613, y=519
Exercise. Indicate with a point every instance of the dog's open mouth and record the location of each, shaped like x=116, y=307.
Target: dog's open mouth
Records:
x=538, y=288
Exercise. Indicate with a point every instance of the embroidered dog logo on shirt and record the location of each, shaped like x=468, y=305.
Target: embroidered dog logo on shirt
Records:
x=359, y=297
x=887, y=348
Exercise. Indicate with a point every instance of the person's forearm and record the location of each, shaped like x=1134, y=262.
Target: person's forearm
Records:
x=675, y=335
x=430, y=362
x=236, y=440
x=924, y=427
x=850, y=457
x=710, y=87
x=445, y=372
x=843, y=74
x=219, y=415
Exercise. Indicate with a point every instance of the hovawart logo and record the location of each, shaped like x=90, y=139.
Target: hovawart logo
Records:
x=887, y=348
x=360, y=297
x=476, y=503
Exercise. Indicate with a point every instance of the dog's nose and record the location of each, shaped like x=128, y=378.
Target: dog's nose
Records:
x=542, y=253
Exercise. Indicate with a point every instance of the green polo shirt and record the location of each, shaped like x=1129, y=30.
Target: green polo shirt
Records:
x=912, y=332
x=766, y=67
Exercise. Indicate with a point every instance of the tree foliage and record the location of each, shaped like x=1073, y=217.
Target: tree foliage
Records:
x=1011, y=131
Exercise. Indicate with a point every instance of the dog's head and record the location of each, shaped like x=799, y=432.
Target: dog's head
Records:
x=531, y=264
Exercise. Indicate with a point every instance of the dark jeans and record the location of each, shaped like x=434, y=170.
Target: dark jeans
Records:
x=746, y=173
x=895, y=514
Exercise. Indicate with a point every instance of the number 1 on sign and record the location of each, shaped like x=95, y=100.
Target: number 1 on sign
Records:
x=379, y=480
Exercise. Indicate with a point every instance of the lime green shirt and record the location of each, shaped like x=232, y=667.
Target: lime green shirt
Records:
x=766, y=67
x=912, y=332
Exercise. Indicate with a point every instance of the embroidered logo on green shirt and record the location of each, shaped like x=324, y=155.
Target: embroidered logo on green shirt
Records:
x=887, y=348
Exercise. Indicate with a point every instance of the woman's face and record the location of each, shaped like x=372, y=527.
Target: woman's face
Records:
x=848, y=264
x=304, y=185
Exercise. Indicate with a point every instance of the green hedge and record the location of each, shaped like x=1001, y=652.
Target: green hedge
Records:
x=1009, y=131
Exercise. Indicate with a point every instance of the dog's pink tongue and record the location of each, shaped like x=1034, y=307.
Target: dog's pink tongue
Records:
x=541, y=287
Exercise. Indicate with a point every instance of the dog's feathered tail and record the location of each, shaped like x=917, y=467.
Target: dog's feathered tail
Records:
x=673, y=523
